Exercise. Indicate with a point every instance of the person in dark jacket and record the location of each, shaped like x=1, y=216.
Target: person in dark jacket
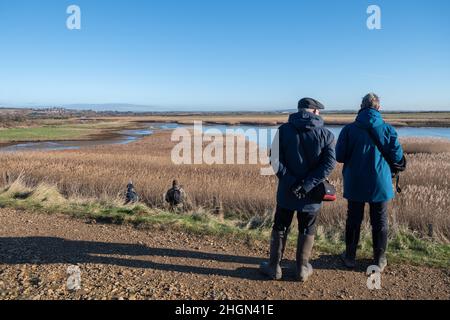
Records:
x=131, y=195
x=175, y=196
x=302, y=156
x=368, y=177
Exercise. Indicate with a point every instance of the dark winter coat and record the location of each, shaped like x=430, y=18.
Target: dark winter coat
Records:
x=302, y=154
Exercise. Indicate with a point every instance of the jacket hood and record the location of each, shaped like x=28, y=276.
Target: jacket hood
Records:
x=369, y=118
x=305, y=120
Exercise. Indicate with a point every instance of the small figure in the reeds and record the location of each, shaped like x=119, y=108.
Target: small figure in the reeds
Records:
x=131, y=196
x=175, y=196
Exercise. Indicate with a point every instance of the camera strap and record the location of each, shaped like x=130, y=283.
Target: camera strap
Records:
x=385, y=156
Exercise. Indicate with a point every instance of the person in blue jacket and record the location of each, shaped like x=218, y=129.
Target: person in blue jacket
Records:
x=368, y=177
x=302, y=156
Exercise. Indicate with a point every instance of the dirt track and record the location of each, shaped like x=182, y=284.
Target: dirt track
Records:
x=122, y=262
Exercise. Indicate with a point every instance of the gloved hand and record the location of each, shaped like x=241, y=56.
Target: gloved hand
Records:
x=299, y=192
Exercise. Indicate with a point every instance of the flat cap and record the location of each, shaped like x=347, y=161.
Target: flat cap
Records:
x=309, y=103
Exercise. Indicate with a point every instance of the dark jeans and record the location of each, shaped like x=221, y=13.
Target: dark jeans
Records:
x=306, y=221
x=378, y=220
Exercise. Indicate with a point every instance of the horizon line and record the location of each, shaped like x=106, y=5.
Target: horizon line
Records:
x=158, y=109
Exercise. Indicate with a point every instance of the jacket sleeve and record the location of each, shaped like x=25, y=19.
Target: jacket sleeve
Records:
x=326, y=165
x=278, y=161
x=341, y=146
x=394, y=148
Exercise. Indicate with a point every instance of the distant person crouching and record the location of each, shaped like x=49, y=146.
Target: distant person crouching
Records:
x=175, y=196
x=131, y=196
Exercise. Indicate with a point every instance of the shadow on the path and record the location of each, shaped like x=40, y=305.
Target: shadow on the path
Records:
x=49, y=250
x=334, y=262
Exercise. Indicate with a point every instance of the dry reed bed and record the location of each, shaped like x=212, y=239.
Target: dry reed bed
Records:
x=399, y=119
x=103, y=172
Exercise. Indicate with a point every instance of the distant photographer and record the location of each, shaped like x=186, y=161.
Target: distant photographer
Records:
x=371, y=153
x=131, y=196
x=175, y=196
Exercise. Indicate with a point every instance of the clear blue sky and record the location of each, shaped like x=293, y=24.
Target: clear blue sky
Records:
x=225, y=54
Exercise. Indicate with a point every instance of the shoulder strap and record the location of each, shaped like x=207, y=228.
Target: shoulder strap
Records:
x=379, y=146
x=385, y=156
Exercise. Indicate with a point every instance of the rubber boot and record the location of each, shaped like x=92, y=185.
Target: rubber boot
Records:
x=379, y=240
x=272, y=269
x=284, y=241
x=305, y=245
x=352, y=235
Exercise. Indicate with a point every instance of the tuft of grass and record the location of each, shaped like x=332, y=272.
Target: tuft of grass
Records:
x=407, y=246
x=48, y=194
x=404, y=247
x=17, y=189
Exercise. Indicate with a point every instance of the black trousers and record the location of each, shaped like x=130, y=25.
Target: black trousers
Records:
x=306, y=221
x=378, y=220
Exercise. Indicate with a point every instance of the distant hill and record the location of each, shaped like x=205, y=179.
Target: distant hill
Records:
x=120, y=107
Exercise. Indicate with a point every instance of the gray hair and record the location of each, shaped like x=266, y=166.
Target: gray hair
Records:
x=371, y=100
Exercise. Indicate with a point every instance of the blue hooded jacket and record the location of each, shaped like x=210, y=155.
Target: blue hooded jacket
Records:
x=307, y=160
x=367, y=175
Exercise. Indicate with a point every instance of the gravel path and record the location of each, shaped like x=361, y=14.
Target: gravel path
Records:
x=123, y=262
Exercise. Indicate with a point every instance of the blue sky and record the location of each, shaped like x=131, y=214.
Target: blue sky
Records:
x=225, y=55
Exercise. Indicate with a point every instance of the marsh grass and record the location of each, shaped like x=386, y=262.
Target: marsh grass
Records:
x=425, y=145
x=101, y=174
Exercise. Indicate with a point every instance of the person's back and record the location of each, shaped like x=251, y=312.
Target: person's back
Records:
x=131, y=195
x=306, y=131
x=368, y=177
x=175, y=195
x=302, y=157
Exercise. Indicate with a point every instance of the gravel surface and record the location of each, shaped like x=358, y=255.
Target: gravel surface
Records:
x=123, y=262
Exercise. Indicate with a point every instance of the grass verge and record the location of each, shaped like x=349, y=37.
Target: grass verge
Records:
x=58, y=132
x=404, y=246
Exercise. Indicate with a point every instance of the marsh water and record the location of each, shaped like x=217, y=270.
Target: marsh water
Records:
x=262, y=135
x=263, y=141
